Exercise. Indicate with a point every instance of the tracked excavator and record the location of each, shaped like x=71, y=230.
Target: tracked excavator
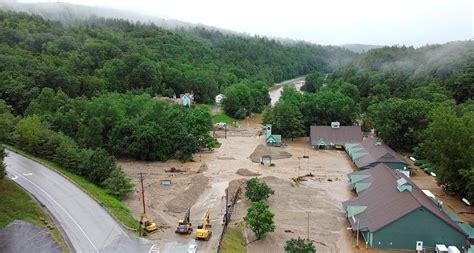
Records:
x=148, y=225
x=184, y=225
x=203, y=231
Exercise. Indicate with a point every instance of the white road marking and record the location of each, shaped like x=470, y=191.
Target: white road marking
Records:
x=154, y=249
x=27, y=174
x=13, y=178
x=67, y=213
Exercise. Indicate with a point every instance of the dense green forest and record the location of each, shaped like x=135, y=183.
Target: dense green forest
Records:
x=81, y=95
x=417, y=100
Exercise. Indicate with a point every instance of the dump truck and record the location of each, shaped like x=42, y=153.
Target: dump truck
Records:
x=184, y=225
x=203, y=231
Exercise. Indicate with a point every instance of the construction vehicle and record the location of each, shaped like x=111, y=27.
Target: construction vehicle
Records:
x=148, y=225
x=184, y=225
x=145, y=222
x=203, y=231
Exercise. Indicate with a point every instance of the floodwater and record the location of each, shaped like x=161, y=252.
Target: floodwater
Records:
x=275, y=90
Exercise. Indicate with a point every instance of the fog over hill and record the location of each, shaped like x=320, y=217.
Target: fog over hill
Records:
x=360, y=48
x=74, y=14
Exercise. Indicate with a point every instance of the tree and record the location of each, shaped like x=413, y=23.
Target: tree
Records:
x=461, y=84
x=291, y=95
x=7, y=123
x=2, y=163
x=257, y=190
x=118, y=184
x=314, y=82
x=238, y=101
x=399, y=122
x=449, y=143
x=96, y=165
x=286, y=119
x=327, y=106
x=260, y=219
x=299, y=246
x=31, y=133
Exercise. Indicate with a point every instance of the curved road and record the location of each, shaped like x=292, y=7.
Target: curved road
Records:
x=87, y=225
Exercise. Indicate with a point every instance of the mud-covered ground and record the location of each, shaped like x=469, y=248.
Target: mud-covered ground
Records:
x=201, y=186
x=321, y=195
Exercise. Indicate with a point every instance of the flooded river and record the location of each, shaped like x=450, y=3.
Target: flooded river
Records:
x=275, y=91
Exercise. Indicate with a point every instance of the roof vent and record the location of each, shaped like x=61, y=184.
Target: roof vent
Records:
x=378, y=142
x=403, y=184
x=335, y=124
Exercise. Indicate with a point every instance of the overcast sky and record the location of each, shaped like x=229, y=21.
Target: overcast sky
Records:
x=381, y=22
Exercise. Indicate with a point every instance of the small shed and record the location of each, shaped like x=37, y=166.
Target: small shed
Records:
x=186, y=99
x=266, y=160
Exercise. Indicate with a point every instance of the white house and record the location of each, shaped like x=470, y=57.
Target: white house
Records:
x=219, y=98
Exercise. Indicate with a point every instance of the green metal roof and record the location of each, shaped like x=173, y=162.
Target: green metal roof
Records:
x=350, y=145
x=274, y=138
x=471, y=249
x=354, y=150
x=453, y=216
x=468, y=229
x=356, y=178
x=357, y=155
x=361, y=186
x=354, y=210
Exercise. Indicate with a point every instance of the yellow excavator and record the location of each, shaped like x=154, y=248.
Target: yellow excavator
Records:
x=184, y=225
x=148, y=225
x=203, y=231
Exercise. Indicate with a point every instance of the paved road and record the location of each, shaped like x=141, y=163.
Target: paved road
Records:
x=87, y=225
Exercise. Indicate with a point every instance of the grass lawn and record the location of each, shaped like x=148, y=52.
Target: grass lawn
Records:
x=234, y=240
x=115, y=206
x=16, y=204
x=223, y=118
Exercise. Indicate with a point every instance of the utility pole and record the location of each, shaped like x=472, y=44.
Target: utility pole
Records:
x=226, y=207
x=357, y=245
x=225, y=131
x=143, y=192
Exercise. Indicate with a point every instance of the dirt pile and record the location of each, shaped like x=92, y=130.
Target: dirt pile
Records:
x=247, y=173
x=233, y=185
x=275, y=153
x=185, y=200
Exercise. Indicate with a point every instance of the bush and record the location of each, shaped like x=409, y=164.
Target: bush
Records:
x=299, y=246
x=118, y=184
x=257, y=190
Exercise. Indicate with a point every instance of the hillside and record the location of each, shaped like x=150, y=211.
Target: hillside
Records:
x=117, y=55
x=360, y=48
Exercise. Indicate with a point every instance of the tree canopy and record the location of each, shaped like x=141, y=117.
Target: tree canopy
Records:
x=260, y=219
